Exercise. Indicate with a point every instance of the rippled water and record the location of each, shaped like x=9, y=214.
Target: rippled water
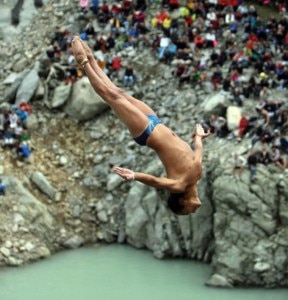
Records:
x=118, y=272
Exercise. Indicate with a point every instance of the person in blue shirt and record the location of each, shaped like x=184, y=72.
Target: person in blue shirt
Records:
x=23, y=151
x=133, y=32
x=2, y=188
x=22, y=115
x=95, y=6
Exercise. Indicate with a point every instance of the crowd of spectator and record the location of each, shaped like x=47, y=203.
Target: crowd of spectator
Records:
x=14, y=134
x=223, y=42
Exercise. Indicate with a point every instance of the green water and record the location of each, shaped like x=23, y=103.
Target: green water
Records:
x=120, y=273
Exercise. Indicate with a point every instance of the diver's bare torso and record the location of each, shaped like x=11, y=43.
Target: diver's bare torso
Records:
x=176, y=155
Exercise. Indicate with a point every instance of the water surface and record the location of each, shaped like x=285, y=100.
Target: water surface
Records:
x=118, y=273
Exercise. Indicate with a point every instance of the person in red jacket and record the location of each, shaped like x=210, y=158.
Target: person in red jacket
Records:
x=243, y=126
x=25, y=106
x=173, y=4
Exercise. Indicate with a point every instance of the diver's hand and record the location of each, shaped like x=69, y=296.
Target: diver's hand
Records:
x=126, y=174
x=200, y=132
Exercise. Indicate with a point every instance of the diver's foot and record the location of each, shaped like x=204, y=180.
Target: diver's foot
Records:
x=79, y=52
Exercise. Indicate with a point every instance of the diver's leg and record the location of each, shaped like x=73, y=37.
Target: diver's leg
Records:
x=130, y=115
x=139, y=104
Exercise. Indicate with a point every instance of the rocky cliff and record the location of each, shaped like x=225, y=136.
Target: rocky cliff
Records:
x=67, y=196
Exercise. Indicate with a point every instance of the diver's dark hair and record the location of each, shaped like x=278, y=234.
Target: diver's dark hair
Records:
x=174, y=203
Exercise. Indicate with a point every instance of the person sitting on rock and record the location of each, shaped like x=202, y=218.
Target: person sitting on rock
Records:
x=22, y=115
x=8, y=138
x=164, y=43
x=129, y=76
x=23, y=151
x=284, y=142
x=216, y=78
x=18, y=130
x=264, y=156
x=170, y=53
x=218, y=125
x=1, y=123
x=185, y=76
x=275, y=156
x=252, y=160
x=13, y=118
x=6, y=120
x=173, y=4
x=89, y=29
x=50, y=52
x=238, y=164
x=281, y=118
x=182, y=165
x=83, y=5
x=2, y=188
x=25, y=106
x=25, y=137
x=243, y=126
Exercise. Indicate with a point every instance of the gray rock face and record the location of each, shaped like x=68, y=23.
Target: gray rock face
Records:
x=61, y=95
x=219, y=281
x=43, y=184
x=74, y=242
x=28, y=86
x=23, y=213
x=29, y=206
x=215, y=104
x=10, y=93
x=246, y=230
x=84, y=103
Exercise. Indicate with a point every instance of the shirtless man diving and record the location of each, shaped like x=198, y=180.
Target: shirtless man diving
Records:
x=183, y=166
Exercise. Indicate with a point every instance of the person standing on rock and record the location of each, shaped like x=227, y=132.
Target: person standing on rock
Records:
x=182, y=165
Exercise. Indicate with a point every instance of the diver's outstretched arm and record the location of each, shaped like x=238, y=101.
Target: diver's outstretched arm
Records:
x=174, y=186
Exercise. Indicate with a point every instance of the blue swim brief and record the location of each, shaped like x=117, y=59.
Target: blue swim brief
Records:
x=153, y=122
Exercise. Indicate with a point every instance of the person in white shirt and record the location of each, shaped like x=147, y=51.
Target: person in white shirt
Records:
x=218, y=125
x=229, y=18
x=164, y=43
x=242, y=9
x=18, y=130
x=213, y=2
x=238, y=164
x=211, y=16
x=210, y=38
x=276, y=157
x=13, y=118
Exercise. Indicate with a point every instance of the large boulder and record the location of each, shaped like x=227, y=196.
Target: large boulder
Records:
x=43, y=184
x=233, y=117
x=29, y=229
x=84, y=103
x=28, y=86
x=215, y=104
x=28, y=211
x=15, y=81
x=61, y=95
